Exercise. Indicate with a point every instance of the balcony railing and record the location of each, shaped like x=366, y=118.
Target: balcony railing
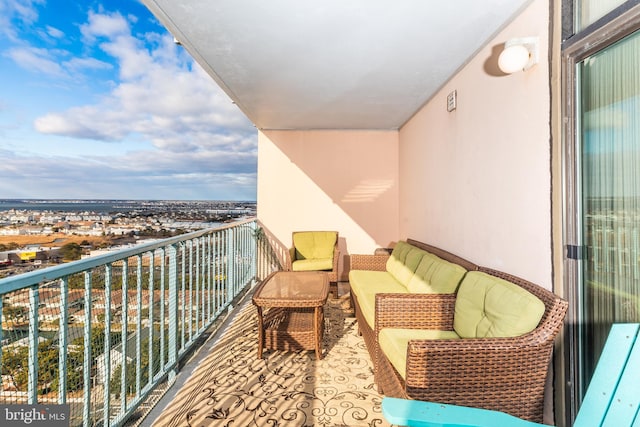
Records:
x=105, y=334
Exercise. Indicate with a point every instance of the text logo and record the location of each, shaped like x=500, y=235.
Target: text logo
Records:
x=34, y=415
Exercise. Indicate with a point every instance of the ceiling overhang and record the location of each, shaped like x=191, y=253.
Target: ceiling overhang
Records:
x=335, y=64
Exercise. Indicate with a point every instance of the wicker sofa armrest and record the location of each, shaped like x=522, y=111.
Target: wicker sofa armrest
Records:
x=369, y=262
x=506, y=374
x=415, y=311
x=487, y=373
x=336, y=257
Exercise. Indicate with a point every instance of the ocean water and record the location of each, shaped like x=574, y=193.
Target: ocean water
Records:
x=97, y=206
x=114, y=206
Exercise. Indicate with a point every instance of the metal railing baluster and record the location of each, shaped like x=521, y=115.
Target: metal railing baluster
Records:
x=196, y=279
x=107, y=346
x=124, y=335
x=152, y=269
x=86, y=404
x=139, y=326
x=173, y=312
x=183, y=296
x=34, y=324
x=62, y=343
x=231, y=276
x=219, y=264
x=162, y=308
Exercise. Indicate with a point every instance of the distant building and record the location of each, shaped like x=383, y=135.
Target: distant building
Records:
x=30, y=254
x=9, y=232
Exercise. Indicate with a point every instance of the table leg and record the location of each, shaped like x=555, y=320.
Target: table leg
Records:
x=260, y=332
x=319, y=325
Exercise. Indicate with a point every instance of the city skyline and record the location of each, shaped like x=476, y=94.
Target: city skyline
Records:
x=98, y=102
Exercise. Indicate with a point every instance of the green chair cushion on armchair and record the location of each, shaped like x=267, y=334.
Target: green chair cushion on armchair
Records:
x=313, y=250
x=312, y=264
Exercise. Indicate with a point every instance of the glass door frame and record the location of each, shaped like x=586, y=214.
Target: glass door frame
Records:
x=598, y=36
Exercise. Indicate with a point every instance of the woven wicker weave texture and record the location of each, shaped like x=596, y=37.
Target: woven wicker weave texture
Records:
x=506, y=374
x=293, y=321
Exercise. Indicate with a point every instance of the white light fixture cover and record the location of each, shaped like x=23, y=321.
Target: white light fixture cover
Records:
x=518, y=55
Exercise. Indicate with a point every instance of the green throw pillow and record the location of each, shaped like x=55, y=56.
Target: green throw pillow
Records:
x=487, y=306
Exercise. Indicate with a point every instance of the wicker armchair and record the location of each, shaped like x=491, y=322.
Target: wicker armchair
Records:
x=308, y=253
x=505, y=374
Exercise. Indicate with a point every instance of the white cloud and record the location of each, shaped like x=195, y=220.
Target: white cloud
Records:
x=87, y=64
x=23, y=10
x=104, y=25
x=50, y=63
x=37, y=59
x=162, y=96
x=183, y=136
x=140, y=176
x=54, y=32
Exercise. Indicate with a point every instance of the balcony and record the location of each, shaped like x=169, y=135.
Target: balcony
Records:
x=107, y=335
x=367, y=148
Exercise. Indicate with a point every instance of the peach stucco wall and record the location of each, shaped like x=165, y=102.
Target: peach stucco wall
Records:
x=330, y=180
x=477, y=181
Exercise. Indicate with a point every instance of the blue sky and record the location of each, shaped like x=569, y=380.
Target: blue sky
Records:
x=96, y=101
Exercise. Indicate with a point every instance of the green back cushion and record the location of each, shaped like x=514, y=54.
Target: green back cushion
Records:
x=398, y=255
x=487, y=306
x=314, y=244
x=403, y=262
x=435, y=276
x=394, y=343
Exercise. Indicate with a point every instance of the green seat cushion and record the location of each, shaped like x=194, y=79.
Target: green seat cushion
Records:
x=394, y=343
x=487, y=306
x=403, y=261
x=365, y=284
x=436, y=276
x=314, y=244
x=312, y=264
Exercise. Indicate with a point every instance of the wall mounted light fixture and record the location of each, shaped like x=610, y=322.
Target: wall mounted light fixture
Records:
x=518, y=55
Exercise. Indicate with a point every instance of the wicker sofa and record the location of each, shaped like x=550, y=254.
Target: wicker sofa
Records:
x=422, y=350
x=369, y=269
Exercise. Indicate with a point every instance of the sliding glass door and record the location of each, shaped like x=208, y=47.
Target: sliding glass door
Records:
x=607, y=156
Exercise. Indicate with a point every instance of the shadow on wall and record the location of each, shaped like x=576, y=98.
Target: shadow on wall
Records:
x=276, y=254
x=279, y=257
x=356, y=170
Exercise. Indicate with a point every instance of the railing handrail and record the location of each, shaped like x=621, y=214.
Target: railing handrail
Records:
x=25, y=280
x=198, y=278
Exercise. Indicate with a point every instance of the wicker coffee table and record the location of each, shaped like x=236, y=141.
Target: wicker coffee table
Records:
x=290, y=311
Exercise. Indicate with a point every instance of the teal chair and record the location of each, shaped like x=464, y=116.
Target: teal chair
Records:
x=612, y=399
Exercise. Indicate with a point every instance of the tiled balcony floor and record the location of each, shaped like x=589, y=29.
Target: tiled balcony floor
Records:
x=231, y=387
